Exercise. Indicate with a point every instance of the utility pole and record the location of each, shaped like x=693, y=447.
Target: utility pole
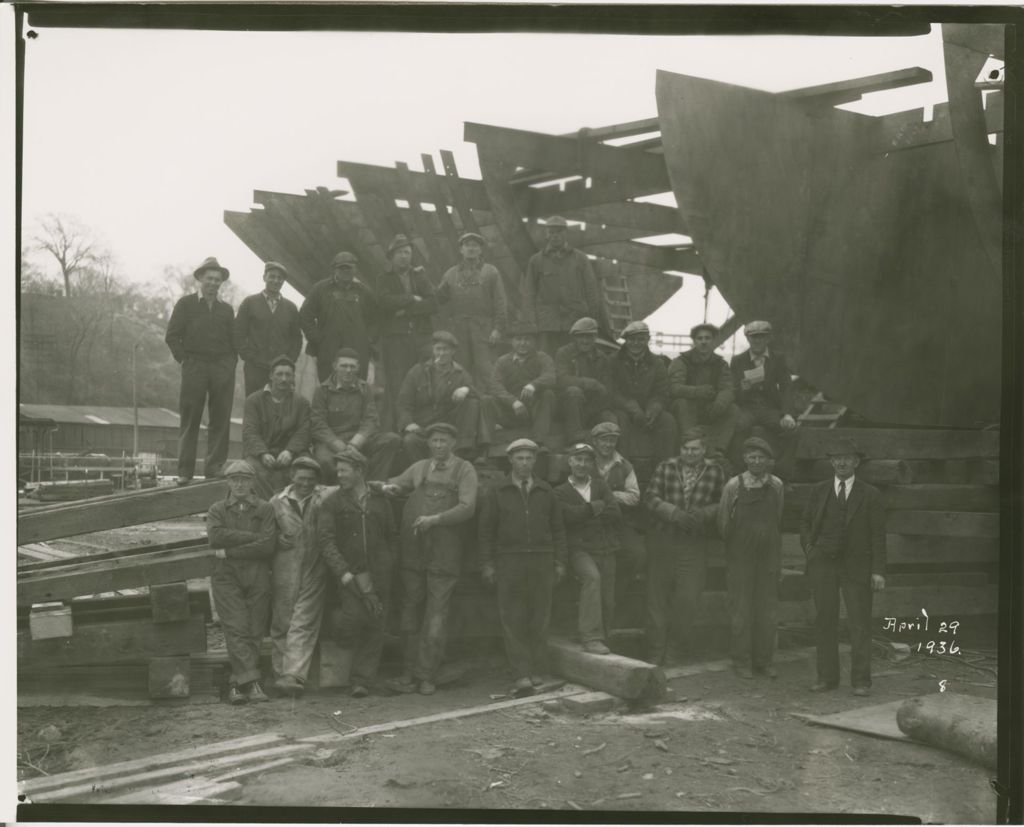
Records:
x=135, y=414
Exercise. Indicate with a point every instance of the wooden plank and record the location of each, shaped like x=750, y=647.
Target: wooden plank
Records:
x=875, y=471
x=113, y=642
x=903, y=443
x=943, y=524
x=617, y=675
x=378, y=178
x=256, y=233
x=442, y=199
x=118, y=511
x=181, y=793
x=658, y=258
x=169, y=602
x=77, y=560
x=981, y=498
x=437, y=259
x=911, y=549
x=111, y=576
x=960, y=578
x=959, y=472
x=648, y=219
x=496, y=168
x=50, y=620
x=846, y=91
x=345, y=234
x=462, y=204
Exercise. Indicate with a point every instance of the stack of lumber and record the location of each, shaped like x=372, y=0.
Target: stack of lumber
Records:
x=49, y=492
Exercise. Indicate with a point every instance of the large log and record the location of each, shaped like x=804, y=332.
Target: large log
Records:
x=943, y=524
x=982, y=498
x=903, y=443
x=614, y=674
x=877, y=472
x=910, y=549
x=962, y=724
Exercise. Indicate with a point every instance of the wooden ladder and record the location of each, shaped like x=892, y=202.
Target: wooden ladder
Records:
x=821, y=413
x=616, y=297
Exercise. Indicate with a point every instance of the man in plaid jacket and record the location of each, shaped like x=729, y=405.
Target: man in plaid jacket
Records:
x=683, y=497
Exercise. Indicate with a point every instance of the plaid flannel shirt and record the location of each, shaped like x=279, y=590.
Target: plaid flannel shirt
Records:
x=666, y=494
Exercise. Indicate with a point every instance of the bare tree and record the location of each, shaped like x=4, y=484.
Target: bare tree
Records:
x=72, y=245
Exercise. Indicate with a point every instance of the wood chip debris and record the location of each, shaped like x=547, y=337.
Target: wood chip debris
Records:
x=574, y=805
x=660, y=744
x=596, y=749
x=494, y=785
x=622, y=796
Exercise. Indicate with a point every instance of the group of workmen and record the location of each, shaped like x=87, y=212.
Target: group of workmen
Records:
x=310, y=540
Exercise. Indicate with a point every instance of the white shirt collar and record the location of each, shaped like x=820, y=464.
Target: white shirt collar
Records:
x=849, y=485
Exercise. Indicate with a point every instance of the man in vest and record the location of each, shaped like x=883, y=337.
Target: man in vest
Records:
x=700, y=387
x=582, y=374
x=267, y=326
x=522, y=389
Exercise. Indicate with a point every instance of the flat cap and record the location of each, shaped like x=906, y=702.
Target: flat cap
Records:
x=441, y=427
x=344, y=259
x=555, y=221
x=471, y=237
x=690, y=434
x=270, y=266
x=211, y=263
x=605, y=429
x=283, y=360
x=844, y=445
x=635, y=328
x=699, y=328
x=522, y=327
x=445, y=338
x=584, y=325
x=755, y=328
x=522, y=445
x=351, y=455
x=580, y=448
x=755, y=443
x=398, y=242
x=346, y=353
x=239, y=468
x=308, y=463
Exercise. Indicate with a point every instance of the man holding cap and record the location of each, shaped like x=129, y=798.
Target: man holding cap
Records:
x=442, y=499
x=298, y=576
x=522, y=389
x=559, y=287
x=275, y=428
x=592, y=537
x=267, y=326
x=522, y=549
x=473, y=295
x=200, y=337
x=582, y=375
x=242, y=531
x=359, y=544
x=406, y=299
x=338, y=312
x=640, y=394
x=344, y=412
x=700, y=387
x=441, y=390
x=750, y=522
x=842, y=532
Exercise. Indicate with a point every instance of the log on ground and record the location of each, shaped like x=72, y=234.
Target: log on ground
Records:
x=614, y=674
x=962, y=724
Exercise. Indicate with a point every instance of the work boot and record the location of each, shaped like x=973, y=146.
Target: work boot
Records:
x=183, y=480
x=821, y=686
x=255, y=692
x=290, y=686
x=404, y=684
x=596, y=647
x=522, y=687
x=427, y=688
x=236, y=697
x=536, y=680
x=861, y=691
x=359, y=691
x=768, y=671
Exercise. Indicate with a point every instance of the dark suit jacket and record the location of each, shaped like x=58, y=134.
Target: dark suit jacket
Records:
x=865, y=523
x=777, y=388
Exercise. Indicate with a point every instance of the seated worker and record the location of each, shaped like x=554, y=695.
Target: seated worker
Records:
x=522, y=390
x=359, y=544
x=764, y=393
x=242, y=529
x=344, y=412
x=582, y=376
x=700, y=387
x=275, y=428
x=592, y=520
x=441, y=390
x=640, y=394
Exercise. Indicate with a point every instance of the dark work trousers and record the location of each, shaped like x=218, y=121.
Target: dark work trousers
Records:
x=657, y=442
x=691, y=413
x=829, y=576
x=203, y=380
x=426, y=596
x=474, y=349
x=596, y=575
x=584, y=409
x=241, y=595
x=470, y=419
x=540, y=409
x=676, y=571
x=354, y=628
x=256, y=377
x=526, y=582
x=379, y=449
x=752, y=553
x=268, y=480
x=763, y=422
x=401, y=352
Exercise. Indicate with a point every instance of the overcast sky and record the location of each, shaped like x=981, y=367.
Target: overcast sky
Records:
x=147, y=136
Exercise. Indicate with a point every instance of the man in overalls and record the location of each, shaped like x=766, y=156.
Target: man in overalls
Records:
x=750, y=522
x=298, y=576
x=474, y=296
x=442, y=499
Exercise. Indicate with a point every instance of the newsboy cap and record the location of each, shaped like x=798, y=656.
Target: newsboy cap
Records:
x=344, y=259
x=270, y=266
x=239, y=468
x=555, y=221
x=445, y=338
x=345, y=353
x=308, y=463
x=351, y=455
x=690, y=434
x=521, y=327
x=522, y=445
x=398, y=242
x=755, y=328
x=605, y=429
x=755, y=443
x=634, y=328
x=584, y=325
x=441, y=427
x=580, y=448
x=471, y=237
x=844, y=445
x=283, y=360
x=211, y=263
x=697, y=328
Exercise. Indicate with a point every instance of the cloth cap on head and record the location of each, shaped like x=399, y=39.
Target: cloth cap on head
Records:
x=690, y=434
x=308, y=463
x=755, y=443
x=584, y=325
x=351, y=455
x=555, y=221
x=522, y=445
x=270, y=266
x=344, y=258
x=347, y=353
x=239, y=468
x=522, y=327
x=211, y=263
x=580, y=448
x=398, y=242
x=471, y=237
x=634, y=328
x=441, y=427
x=754, y=328
x=697, y=328
x=283, y=360
x=844, y=445
x=605, y=429
x=445, y=338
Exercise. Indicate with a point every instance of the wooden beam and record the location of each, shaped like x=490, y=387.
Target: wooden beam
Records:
x=846, y=91
x=249, y=228
x=332, y=215
x=379, y=178
x=280, y=211
x=909, y=130
x=462, y=204
x=903, y=443
x=442, y=199
x=911, y=549
x=875, y=471
x=437, y=259
x=495, y=168
x=645, y=219
x=957, y=471
x=983, y=498
x=169, y=602
x=118, y=511
x=658, y=258
x=943, y=524
x=614, y=674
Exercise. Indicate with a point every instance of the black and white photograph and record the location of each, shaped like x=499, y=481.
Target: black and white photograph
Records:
x=564, y=411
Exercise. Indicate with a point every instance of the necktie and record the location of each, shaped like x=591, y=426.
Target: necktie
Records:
x=525, y=484
x=842, y=491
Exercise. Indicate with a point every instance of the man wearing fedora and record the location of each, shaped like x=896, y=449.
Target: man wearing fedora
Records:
x=267, y=326
x=340, y=311
x=842, y=532
x=582, y=373
x=701, y=391
x=475, y=307
x=200, y=336
x=522, y=388
x=407, y=303
x=559, y=287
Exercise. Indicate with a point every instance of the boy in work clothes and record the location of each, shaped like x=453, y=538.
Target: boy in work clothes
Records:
x=243, y=531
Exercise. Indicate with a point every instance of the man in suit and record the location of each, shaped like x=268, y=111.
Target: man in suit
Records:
x=842, y=532
x=267, y=326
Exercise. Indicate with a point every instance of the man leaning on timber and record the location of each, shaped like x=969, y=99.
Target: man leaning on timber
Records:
x=441, y=500
x=267, y=326
x=700, y=387
x=275, y=428
x=200, y=337
x=582, y=374
x=298, y=576
x=344, y=412
x=242, y=530
x=842, y=532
